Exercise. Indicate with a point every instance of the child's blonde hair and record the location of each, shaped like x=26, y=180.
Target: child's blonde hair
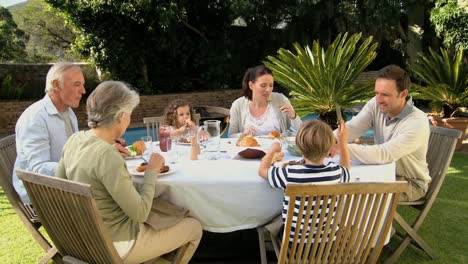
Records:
x=170, y=113
x=315, y=139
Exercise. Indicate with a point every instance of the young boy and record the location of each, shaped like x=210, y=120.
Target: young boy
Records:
x=314, y=139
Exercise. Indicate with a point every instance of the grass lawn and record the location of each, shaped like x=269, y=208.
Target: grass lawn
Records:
x=444, y=229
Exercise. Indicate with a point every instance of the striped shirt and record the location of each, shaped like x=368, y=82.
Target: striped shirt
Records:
x=280, y=177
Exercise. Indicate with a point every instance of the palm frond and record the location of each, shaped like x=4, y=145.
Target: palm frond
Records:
x=445, y=77
x=320, y=78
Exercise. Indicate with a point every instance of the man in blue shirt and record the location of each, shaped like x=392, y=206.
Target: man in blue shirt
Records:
x=44, y=127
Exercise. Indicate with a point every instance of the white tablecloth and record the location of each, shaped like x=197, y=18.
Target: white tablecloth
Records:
x=228, y=195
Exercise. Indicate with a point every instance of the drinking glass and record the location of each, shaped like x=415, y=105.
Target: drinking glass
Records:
x=148, y=144
x=209, y=138
x=165, y=141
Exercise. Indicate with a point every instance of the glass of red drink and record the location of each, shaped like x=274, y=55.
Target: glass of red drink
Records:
x=165, y=141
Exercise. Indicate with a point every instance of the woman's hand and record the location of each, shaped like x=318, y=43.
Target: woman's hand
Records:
x=250, y=130
x=289, y=110
x=155, y=163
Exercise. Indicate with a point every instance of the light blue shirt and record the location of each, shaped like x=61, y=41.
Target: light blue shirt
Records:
x=40, y=137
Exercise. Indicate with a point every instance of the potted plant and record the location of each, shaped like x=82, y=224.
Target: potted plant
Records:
x=445, y=79
x=320, y=80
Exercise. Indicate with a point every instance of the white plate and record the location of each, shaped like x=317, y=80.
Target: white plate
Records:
x=183, y=143
x=133, y=157
x=132, y=170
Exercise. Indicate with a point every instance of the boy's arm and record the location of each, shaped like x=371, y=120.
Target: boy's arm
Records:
x=343, y=145
x=266, y=160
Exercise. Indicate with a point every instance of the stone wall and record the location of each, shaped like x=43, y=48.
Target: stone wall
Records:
x=149, y=106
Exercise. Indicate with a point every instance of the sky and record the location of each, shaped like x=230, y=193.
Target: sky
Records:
x=6, y=3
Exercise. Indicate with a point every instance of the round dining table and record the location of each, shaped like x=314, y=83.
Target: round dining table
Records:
x=227, y=194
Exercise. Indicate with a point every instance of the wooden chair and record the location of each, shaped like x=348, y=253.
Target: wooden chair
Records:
x=153, y=123
x=353, y=230
x=442, y=142
x=26, y=214
x=216, y=112
x=69, y=214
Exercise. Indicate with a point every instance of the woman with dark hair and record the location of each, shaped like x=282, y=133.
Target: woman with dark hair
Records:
x=89, y=157
x=260, y=110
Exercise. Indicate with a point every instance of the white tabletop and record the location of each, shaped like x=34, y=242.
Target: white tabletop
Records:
x=228, y=195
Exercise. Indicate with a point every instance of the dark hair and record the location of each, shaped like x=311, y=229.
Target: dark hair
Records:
x=393, y=72
x=250, y=76
x=170, y=113
x=315, y=139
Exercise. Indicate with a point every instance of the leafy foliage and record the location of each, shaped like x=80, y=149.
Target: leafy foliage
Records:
x=50, y=37
x=450, y=19
x=181, y=45
x=159, y=44
x=446, y=80
x=12, y=40
x=322, y=79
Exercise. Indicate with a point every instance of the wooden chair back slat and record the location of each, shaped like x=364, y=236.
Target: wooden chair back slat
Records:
x=442, y=142
x=348, y=222
x=7, y=162
x=70, y=216
x=27, y=215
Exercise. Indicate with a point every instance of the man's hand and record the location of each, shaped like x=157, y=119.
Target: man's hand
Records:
x=120, y=145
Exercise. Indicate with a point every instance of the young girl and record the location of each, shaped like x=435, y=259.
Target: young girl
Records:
x=180, y=116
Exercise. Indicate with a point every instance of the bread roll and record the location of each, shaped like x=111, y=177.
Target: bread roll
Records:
x=139, y=146
x=278, y=156
x=247, y=141
x=274, y=134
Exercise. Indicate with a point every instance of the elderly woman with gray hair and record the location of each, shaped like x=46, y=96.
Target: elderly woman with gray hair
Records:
x=89, y=157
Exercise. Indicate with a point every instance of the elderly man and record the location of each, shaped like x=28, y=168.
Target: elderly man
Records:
x=44, y=127
x=401, y=132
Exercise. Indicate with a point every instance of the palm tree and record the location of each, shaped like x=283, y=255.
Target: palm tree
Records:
x=321, y=80
x=446, y=79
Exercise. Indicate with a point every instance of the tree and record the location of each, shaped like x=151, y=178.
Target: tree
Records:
x=50, y=36
x=12, y=40
x=164, y=44
x=450, y=19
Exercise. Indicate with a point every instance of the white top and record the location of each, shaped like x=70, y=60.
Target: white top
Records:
x=228, y=195
x=263, y=124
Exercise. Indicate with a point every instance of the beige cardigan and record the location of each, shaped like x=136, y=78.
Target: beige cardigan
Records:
x=238, y=114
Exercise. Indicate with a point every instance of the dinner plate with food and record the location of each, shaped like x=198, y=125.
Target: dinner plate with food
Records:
x=136, y=150
x=183, y=141
x=140, y=170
